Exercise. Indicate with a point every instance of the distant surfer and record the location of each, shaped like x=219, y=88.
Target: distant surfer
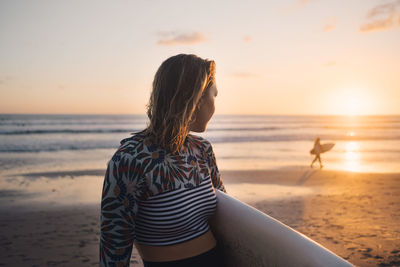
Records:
x=318, y=150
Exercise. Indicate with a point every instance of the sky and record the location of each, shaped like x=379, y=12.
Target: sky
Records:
x=273, y=57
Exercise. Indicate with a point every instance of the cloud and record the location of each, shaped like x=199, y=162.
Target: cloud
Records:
x=329, y=25
x=176, y=38
x=382, y=17
x=384, y=9
x=303, y=3
x=377, y=25
x=247, y=38
x=330, y=64
x=5, y=79
x=245, y=75
x=294, y=6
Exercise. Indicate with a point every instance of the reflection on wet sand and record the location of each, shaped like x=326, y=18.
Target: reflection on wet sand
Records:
x=251, y=193
x=48, y=192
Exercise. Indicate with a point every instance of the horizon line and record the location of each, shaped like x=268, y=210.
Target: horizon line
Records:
x=219, y=114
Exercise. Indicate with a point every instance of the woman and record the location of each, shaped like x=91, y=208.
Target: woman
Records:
x=158, y=189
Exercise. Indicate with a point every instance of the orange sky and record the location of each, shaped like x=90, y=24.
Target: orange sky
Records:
x=286, y=57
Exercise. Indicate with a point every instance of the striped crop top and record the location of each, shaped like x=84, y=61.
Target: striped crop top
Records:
x=156, y=198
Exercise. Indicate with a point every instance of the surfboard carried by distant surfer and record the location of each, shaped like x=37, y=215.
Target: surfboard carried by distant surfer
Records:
x=318, y=149
x=324, y=148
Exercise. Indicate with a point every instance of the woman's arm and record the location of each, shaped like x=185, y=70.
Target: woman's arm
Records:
x=212, y=163
x=117, y=220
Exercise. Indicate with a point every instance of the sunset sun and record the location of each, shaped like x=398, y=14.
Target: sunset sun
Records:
x=352, y=102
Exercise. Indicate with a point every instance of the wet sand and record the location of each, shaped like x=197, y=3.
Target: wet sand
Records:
x=67, y=236
x=355, y=215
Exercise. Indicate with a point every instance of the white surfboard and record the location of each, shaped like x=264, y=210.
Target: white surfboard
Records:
x=324, y=148
x=249, y=238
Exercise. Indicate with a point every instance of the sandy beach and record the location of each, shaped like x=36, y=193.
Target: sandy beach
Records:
x=355, y=215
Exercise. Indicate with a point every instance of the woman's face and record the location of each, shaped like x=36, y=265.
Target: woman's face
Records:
x=205, y=110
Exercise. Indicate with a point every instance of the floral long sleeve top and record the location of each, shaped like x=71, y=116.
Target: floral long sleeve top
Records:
x=141, y=183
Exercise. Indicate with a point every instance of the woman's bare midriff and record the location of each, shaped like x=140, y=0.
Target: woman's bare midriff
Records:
x=179, y=251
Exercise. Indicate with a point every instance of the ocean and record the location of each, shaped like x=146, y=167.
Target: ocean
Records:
x=53, y=160
x=52, y=143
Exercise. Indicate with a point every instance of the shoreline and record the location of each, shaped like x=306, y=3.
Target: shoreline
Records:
x=97, y=172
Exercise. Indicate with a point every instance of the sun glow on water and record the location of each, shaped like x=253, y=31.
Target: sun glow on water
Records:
x=351, y=133
x=352, y=156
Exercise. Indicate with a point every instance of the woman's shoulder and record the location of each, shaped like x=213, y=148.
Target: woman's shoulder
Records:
x=129, y=164
x=202, y=143
x=198, y=139
x=130, y=146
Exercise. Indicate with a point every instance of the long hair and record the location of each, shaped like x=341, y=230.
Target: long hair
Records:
x=178, y=85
